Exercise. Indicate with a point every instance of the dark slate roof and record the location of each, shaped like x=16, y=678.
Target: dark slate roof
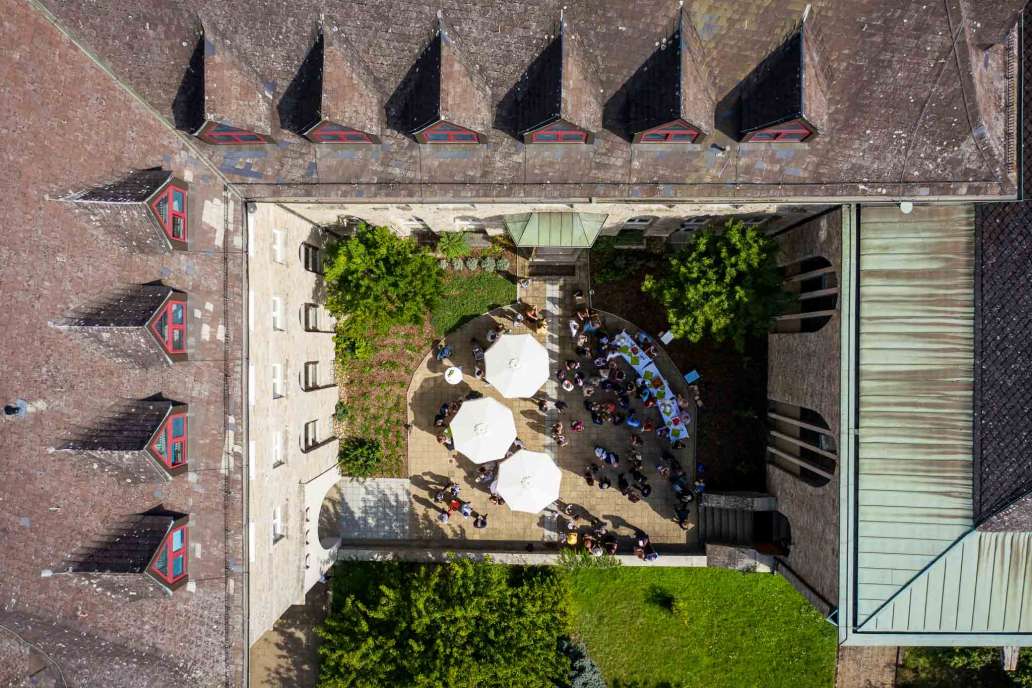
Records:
x=350, y=94
x=136, y=187
x=1003, y=374
x=445, y=85
x=130, y=307
x=127, y=427
x=674, y=83
x=561, y=84
x=127, y=547
x=233, y=92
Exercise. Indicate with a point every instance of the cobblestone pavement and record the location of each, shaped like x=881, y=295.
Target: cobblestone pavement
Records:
x=431, y=465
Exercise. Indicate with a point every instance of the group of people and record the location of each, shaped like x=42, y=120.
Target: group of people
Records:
x=449, y=496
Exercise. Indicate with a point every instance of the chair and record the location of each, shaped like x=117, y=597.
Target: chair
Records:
x=692, y=377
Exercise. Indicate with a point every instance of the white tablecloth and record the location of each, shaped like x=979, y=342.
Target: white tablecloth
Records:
x=645, y=367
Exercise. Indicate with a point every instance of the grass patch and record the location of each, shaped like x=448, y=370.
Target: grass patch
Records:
x=374, y=389
x=467, y=296
x=668, y=628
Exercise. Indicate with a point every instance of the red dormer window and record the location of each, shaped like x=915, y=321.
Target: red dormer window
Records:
x=170, y=562
x=223, y=134
x=443, y=132
x=169, y=444
x=675, y=132
x=170, y=209
x=170, y=327
x=789, y=132
x=559, y=136
x=328, y=132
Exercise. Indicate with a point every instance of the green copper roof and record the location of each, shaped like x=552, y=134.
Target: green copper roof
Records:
x=560, y=230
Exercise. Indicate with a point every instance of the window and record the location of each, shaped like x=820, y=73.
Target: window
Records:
x=677, y=131
x=170, y=209
x=638, y=222
x=311, y=436
x=170, y=563
x=277, y=380
x=279, y=245
x=792, y=131
x=693, y=223
x=170, y=327
x=814, y=284
x=443, y=132
x=169, y=443
x=278, y=449
x=311, y=375
x=329, y=132
x=279, y=527
x=279, y=318
x=311, y=257
x=223, y=134
x=559, y=136
x=800, y=442
x=317, y=319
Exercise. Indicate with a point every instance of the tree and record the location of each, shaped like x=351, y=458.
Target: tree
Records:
x=960, y=667
x=462, y=624
x=723, y=285
x=375, y=280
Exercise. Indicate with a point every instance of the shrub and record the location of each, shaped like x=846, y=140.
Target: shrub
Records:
x=444, y=263
x=453, y=245
x=724, y=286
x=472, y=263
x=458, y=264
x=584, y=673
x=502, y=264
x=375, y=280
x=359, y=457
x=341, y=412
x=488, y=263
x=611, y=264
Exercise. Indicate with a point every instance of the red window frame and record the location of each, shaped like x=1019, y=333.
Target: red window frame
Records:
x=164, y=206
x=223, y=135
x=559, y=136
x=443, y=132
x=169, y=445
x=171, y=556
x=677, y=131
x=174, y=332
x=334, y=133
x=789, y=132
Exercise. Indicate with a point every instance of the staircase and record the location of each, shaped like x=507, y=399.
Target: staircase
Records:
x=726, y=526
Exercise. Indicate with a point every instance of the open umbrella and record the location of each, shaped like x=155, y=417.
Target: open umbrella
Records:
x=516, y=365
x=528, y=481
x=483, y=429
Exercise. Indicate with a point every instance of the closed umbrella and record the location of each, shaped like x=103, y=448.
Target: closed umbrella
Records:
x=528, y=481
x=483, y=429
x=516, y=365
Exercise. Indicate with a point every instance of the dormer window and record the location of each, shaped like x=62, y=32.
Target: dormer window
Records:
x=170, y=209
x=169, y=563
x=223, y=134
x=170, y=327
x=328, y=132
x=169, y=443
x=443, y=132
x=559, y=136
x=675, y=132
x=794, y=131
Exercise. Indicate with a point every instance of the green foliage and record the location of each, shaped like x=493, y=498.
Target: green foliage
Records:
x=724, y=286
x=576, y=559
x=612, y=264
x=453, y=245
x=341, y=412
x=375, y=280
x=701, y=627
x=461, y=624
x=467, y=296
x=488, y=263
x=458, y=264
x=502, y=264
x=960, y=667
x=359, y=457
x=584, y=673
x=472, y=263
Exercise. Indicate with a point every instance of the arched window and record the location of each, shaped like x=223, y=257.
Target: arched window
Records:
x=812, y=285
x=800, y=442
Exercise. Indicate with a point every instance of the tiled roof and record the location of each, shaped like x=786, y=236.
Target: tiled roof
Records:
x=233, y=92
x=129, y=307
x=136, y=187
x=350, y=95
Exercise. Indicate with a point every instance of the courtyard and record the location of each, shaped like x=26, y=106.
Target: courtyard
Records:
x=400, y=510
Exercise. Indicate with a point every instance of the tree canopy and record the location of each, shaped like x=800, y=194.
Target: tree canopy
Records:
x=724, y=285
x=376, y=279
x=462, y=624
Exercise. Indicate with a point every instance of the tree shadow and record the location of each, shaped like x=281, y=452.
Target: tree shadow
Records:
x=660, y=597
x=188, y=103
x=301, y=103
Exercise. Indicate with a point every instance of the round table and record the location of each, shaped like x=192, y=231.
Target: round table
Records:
x=453, y=375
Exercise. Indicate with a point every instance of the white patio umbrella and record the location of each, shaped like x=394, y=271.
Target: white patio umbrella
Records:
x=516, y=365
x=483, y=429
x=528, y=481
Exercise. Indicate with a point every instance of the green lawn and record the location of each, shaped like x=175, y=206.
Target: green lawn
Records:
x=711, y=628
x=467, y=295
